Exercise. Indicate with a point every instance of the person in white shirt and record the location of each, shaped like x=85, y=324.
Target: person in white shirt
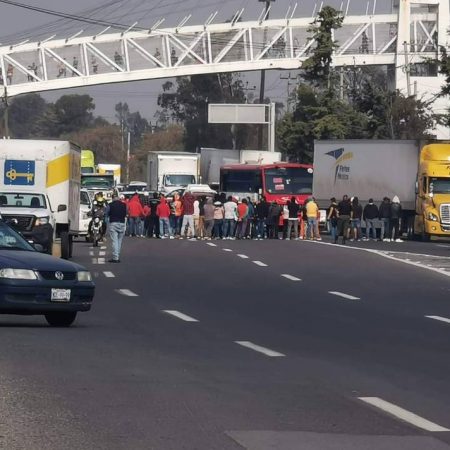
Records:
x=230, y=218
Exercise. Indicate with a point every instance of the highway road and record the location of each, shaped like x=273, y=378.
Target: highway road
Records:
x=255, y=345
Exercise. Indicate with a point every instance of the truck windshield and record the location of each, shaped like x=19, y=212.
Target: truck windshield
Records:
x=96, y=182
x=440, y=185
x=240, y=180
x=22, y=200
x=288, y=180
x=179, y=180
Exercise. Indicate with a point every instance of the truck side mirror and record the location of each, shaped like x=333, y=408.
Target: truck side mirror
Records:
x=62, y=208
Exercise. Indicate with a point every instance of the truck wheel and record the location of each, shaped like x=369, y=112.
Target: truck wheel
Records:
x=65, y=245
x=410, y=229
x=425, y=237
x=61, y=319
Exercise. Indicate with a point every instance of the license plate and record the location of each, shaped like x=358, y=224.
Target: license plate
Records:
x=60, y=295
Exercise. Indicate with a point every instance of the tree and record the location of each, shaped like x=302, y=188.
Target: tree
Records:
x=317, y=68
x=74, y=112
x=24, y=113
x=317, y=115
x=187, y=103
x=444, y=69
x=130, y=122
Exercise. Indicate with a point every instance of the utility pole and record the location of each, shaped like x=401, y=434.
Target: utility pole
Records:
x=248, y=89
x=341, y=84
x=407, y=69
x=262, y=87
x=289, y=78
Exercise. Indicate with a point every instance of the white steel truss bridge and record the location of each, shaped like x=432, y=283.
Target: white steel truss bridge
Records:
x=404, y=39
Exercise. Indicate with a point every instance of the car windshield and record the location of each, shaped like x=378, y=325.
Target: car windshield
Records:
x=11, y=240
x=22, y=200
x=85, y=199
x=440, y=185
x=288, y=180
x=97, y=182
x=136, y=187
x=179, y=180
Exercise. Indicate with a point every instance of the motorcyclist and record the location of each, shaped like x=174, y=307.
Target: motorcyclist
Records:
x=98, y=210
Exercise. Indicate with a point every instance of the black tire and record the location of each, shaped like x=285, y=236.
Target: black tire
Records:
x=425, y=237
x=65, y=245
x=61, y=319
x=412, y=236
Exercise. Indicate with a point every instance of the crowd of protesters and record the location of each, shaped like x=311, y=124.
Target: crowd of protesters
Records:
x=346, y=216
x=221, y=217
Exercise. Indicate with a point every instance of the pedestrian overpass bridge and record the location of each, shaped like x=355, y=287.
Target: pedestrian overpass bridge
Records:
x=405, y=40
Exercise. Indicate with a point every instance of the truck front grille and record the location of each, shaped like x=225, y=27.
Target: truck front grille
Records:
x=445, y=213
x=19, y=223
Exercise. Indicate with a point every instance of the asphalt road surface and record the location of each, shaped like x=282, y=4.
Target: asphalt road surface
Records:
x=239, y=345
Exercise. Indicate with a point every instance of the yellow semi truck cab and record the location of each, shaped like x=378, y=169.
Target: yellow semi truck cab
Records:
x=433, y=192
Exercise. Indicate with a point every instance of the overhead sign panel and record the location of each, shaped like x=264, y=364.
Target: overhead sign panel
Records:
x=237, y=113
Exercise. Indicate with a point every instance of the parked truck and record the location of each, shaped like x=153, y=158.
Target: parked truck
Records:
x=418, y=173
x=167, y=171
x=96, y=182
x=110, y=169
x=40, y=190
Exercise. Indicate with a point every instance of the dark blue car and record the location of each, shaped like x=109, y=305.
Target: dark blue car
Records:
x=34, y=283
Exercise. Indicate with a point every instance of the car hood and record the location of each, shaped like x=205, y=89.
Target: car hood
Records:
x=38, y=212
x=17, y=259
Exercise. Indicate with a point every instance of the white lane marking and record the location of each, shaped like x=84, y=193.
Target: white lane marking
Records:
x=384, y=254
x=103, y=247
x=127, y=292
x=443, y=246
x=180, y=315
x=441, y=319
x=243, y=256
x=290, y=277
x=227, y=250
x=341, y=294
x=258, y=348
x=91, y=253
x=211, y=244
x=109, y=275
x=259, y=263
x=403, y=414
x=98, y=261
x=101, y=253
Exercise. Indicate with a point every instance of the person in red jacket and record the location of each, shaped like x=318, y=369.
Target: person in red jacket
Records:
x=163, y=212
x=135, y=214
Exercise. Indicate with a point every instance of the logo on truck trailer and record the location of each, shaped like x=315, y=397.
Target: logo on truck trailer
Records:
x=342, y=171
x=19, y=172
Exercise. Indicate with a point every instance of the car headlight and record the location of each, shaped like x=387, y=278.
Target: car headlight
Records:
x=42, y=220
x=18, y=274
x=433, y=217
x=84, y=276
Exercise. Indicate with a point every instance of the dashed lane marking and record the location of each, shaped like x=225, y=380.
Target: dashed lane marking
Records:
x=211, y=244
x=227, y=250
x=403, y=414
x=109, y=275
x=101, y=253
x=103, y=247
x=91, y=253
x=180, y=315
x=243, y=256
x=258, y=348
x=341, y=294
x=259, y=263
x=98, y=261
x=290, y=277
x=441, y=319
x=127, y=292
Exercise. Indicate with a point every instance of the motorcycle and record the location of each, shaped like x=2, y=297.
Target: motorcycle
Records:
x=97, y=225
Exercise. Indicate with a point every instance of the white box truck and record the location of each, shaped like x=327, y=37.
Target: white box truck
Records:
x=418, y=174
x=167, y=171
x=40, y=190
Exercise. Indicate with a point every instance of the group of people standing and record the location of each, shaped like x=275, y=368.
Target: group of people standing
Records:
x=346, y=216
x=220, y=217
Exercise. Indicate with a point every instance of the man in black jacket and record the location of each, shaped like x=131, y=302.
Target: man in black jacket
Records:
x=370, y=213
x=262, y=211
x=385, y=216
x=345, y=210
x=117, y=213
x=294, y=209
x=153, y=227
